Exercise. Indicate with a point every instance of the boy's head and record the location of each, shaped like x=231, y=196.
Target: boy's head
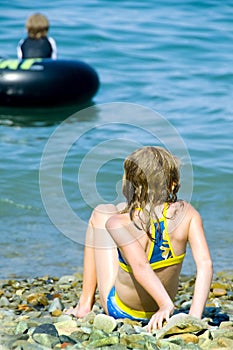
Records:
x=37, y=26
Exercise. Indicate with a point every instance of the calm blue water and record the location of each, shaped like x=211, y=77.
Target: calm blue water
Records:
x=173, y=57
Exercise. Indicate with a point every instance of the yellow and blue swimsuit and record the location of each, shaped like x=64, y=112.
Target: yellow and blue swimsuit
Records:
x=161, y=254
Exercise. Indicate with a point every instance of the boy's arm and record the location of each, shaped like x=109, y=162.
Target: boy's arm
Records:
x=19, y=50
x=203, y=263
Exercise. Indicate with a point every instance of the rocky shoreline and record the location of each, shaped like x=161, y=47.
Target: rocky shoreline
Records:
x=32, y=318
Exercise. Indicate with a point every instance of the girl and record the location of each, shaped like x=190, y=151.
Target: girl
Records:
x=134, y=252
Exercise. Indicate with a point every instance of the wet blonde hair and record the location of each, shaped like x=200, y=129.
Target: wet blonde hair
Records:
x=151, y=177
x=37, y=26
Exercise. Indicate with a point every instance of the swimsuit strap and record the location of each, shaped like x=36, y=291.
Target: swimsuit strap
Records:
x=161, y=252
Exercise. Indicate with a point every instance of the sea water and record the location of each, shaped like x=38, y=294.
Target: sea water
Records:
x=172, y=61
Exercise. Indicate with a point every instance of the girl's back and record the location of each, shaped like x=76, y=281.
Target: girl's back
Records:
x=165, y=251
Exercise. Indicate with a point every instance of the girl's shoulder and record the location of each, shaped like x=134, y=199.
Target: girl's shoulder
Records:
x=181, y=206
x=181, y=210
x=118, y=220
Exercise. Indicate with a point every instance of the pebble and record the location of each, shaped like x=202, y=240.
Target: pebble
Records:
x=55, y=305
x=104, y=323
x=218, y=292
x=32, y=318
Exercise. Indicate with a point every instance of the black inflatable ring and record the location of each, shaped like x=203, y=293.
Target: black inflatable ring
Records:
x=46, y=82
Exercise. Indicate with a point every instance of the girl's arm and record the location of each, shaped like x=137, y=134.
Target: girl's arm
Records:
x=148, y=279
x=142, y=271
x=203, y=263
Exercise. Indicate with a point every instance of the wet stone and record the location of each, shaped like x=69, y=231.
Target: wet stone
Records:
x=32, y=318
x=9, y=342
x=56, y=313
x=4, y=301
x=105, y=323
x=104, y=341
x=66, y=327
x=67, y=339
x=181, y=323
x=186, y=337
x=22, y=327
x=169, y=345
x=135, y=340
x=55, y=305
x=46, y=328
x=45, y=339
x=219, y=292
x=226, y=325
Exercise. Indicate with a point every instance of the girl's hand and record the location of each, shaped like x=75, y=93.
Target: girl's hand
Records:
x=163, y=314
